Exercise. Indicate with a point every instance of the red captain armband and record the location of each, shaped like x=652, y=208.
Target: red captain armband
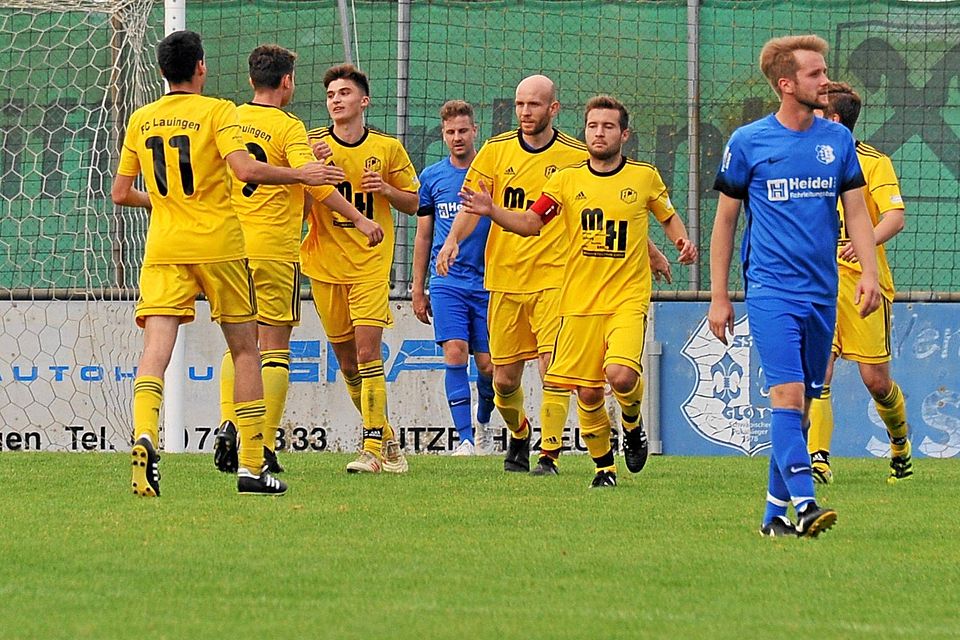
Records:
x=546, y=208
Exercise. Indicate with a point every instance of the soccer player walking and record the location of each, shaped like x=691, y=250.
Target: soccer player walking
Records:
x=788, y=170
x=457, y=300
x=182, y=144
x=272, y=219
x=865, y=341
x=601, y=206
x=523, y=275
x=351, y=279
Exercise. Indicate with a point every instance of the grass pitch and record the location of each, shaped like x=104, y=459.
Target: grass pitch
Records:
x=458, y=549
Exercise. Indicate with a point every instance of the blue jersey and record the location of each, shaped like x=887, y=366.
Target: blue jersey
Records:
x=789, y=182
x=440, y=185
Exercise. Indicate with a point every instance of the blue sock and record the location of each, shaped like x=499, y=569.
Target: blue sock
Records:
x=458, y=397
x=778, y=497
x=485, y=405
x=790, y=451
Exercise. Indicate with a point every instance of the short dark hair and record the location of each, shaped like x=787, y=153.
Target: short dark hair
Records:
x=843, y=101
x=454, y=108
x=607, y=102
x=347, y=72
x=268, y=64
x=178, y=55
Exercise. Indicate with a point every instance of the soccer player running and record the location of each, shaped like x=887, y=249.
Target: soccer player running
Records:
x=457, y=300
x=865, y=341
x=522, y=274
x=788, y=169
x=271, y=217
x=602, y=206
x=351, y=280
x=182, y=144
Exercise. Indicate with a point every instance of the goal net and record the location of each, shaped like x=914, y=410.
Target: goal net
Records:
x=70, y=74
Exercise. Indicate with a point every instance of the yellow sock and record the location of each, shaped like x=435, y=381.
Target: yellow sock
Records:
x=893, y=411
x=227, y=412
x=595, y=431
x=147, y=398
x=373, y=406
x=355, y=389
x=275, y=368
x=553, y=418
x=510, y=405
x=630, y=404
x=250, y=427
x=821, y=422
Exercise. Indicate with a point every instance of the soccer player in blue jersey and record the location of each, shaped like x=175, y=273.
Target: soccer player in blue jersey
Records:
x=788, y=170
x=458, y=300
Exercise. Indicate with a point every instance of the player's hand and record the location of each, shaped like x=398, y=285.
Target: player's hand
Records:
x=321, y=150
x=660, y=266
x=371, y=182
x=846, y=253
x=371, y=229
x=333, y=175
x=479, y=203
x=314, y=174
x=688, y=251
x=867, y=296
x=421, y=307
x=447, y=256
x=720, y=317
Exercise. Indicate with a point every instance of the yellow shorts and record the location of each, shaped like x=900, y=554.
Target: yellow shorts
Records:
x=342, y=307
x=171, y=290
x=278, y=292
x=587, y=344
x=522, y=325
x=859, y=339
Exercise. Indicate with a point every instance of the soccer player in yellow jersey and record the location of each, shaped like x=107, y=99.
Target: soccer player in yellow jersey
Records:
x=601, y=206
x=351, y=281
x=182, y=145
x=865, y=341
x=523, y=274
x=272, y=218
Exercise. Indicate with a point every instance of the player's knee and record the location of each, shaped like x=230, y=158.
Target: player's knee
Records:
x=878, y=386
x=623, y=380
x=456, y=352
x=506, y=380
x=590, y=396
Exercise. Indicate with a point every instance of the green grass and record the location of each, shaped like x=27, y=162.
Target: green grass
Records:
x=458, y=549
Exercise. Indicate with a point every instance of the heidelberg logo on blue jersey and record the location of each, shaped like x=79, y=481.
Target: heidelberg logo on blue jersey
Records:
x=783, y=189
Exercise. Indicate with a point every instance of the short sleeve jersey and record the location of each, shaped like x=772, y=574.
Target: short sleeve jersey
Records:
x=272, y=215
x=789, y=182
x=179, y=143
x=882, y=194
x=333, y=250
x=440, y=185
x=604, y=217
x=515, y=175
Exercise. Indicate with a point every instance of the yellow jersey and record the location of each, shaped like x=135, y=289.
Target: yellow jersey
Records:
x=515, y=175
x=603, y=217
x=882, y=194
x=179, y=142
x=272, y=215
x=333, y=250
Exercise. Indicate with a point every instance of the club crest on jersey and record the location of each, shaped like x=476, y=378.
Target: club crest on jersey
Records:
x=628, y=195
x=373, y=164
x=550, y=170
x=720, y=407
x=825, y=153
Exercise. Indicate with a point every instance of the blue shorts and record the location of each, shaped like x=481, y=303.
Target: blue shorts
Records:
x=461, y=314
x=793, y=339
